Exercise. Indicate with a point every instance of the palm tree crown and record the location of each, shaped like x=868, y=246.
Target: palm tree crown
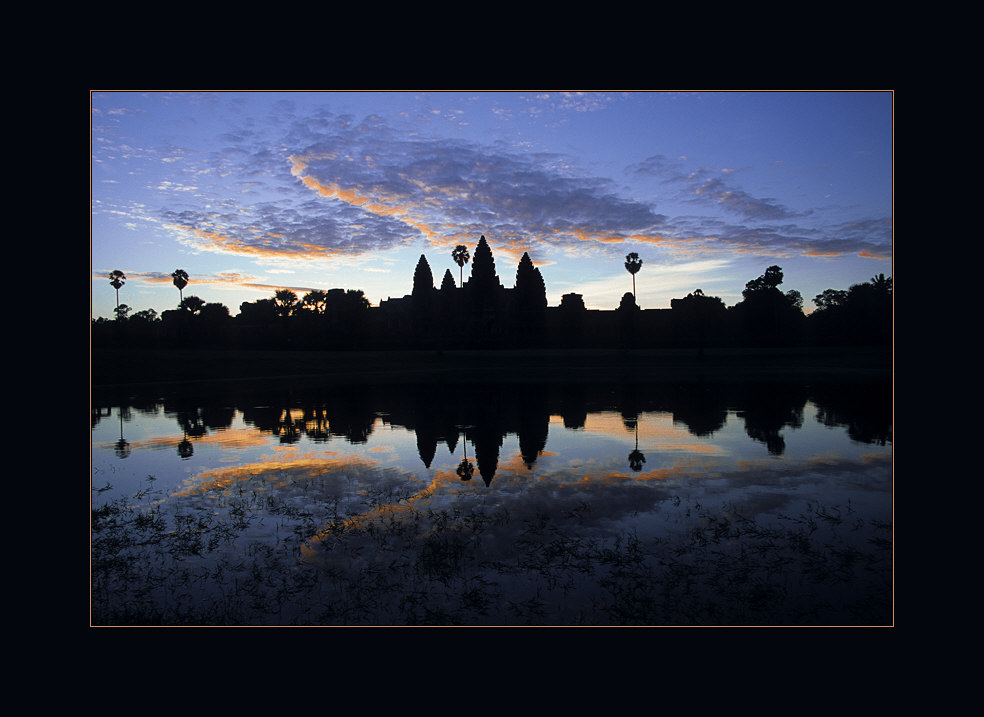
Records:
x=180, y=279
x=116, y=279
x=461, y=257
x=632, y=265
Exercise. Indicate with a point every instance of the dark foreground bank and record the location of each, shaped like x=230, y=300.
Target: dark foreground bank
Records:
x=150, y=367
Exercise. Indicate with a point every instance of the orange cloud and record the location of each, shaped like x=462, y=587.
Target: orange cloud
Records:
x=276, y=472
x=377, y=206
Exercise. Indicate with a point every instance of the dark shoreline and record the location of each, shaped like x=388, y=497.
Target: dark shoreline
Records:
x=141, y=367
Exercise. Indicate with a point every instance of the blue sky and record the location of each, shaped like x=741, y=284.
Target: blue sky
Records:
x=250, y=192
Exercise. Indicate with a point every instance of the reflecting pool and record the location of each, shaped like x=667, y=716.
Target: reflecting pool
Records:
x=549, y=503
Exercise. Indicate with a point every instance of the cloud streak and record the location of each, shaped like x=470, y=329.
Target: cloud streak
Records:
x=330, y=185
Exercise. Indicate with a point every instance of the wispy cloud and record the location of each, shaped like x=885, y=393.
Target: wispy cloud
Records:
x=761, y=224
x=329, y=185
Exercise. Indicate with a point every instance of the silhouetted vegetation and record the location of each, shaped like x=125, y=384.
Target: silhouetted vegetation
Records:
x=483, y=314
x=632, y=265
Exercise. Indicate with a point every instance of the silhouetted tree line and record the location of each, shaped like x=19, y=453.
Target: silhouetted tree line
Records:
x=486, y=413
x=481, y=313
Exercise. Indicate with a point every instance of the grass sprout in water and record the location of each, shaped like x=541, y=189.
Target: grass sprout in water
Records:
x=299, y=555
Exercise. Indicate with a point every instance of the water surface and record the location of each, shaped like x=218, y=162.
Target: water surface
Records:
x=547, y=503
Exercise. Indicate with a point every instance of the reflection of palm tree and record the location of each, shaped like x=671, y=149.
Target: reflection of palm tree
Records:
x=636, y=459
x=116, y=279
x=180, y=279
x=122, y=448
x=465, y=468
x=461, y=257
x=632, y=265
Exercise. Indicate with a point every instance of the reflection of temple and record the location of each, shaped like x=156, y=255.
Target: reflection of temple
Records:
x=481, y=414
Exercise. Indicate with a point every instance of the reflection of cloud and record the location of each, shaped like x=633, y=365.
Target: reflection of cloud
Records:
x=657, y=432
x=226, y=438
x=282, y=472
x=568, y=505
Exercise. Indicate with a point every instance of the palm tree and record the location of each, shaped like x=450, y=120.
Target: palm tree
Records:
x=180, y=279
x=116, y=279
x=632, y=265
x=192, y=304
x=286, y=302
x=461, y=257
x=316, y=300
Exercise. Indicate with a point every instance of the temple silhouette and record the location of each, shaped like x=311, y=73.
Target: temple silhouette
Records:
x=479, y=312
x=483, y=313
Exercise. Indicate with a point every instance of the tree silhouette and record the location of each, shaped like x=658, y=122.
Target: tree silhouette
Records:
x=192, y=304
x=214, y=312
x=465, y=469
x=767, y=282
x=122, y=446
x=116, y=279
x=316, y=300
x=636, y=458
x=180, y=279
x=766, y=316
x=122, y=311
x=461, y=257
x=830, y=299
x=881, y=284
x=632, y=265
x=148, y=315
x=356, y=300
x=286, y=302
x=861, y=315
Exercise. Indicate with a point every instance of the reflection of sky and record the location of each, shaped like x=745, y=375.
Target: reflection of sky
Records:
x=585, y=459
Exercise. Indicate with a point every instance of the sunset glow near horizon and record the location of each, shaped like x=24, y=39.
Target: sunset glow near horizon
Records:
x=251, y=192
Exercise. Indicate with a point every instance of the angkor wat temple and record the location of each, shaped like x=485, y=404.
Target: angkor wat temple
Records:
x=482, y=313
